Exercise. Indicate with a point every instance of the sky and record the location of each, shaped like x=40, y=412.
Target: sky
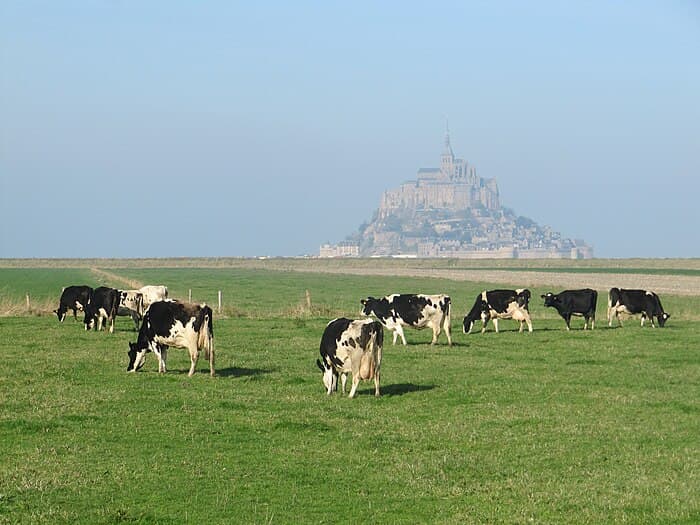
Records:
x=198, y=129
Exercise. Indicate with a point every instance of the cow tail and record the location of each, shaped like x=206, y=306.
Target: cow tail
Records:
x=206, y=334
x=378, y=343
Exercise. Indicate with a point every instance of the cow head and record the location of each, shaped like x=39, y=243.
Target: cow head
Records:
x=549, y=299
x=480, y=311
x=137, y=356
x=368, y=305
x=90, y=318
x=61, y=314
x=662, y=318
x=330, y=377
x=524, y=298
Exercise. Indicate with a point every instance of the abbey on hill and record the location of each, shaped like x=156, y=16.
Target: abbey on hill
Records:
x=452, y=212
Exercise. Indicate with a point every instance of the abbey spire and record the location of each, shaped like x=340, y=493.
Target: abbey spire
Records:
x=448, y=157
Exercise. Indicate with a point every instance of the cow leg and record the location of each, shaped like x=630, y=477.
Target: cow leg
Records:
x=135, y=319
x=355, y=382
x=343, y=380
x=643, y=318
x=212, y=372
x=567, y=320
x=330, y=378
x=194, y=355
x=162, y=359
x=436, y=333
x=376, y=383
x=529, y=323
x=446, y=325
x=593, y=321
x=399, y=331
x=495, y=323
x=157, y=349
x=111, y=324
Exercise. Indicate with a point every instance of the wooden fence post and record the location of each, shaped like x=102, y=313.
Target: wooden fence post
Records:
x=308, y=299
x=189, y=296
x=28, y=303
x=219, y=301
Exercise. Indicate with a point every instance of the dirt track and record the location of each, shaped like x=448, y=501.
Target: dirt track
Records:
x=664, y=284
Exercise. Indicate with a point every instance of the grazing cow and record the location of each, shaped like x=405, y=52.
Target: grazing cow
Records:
x=632, y=302
x=398, y=310
x=351, y=346
x=499, y=304
x=152, y=294
x=574, y=302
x=172, y=323
x=102, y=304
x=74, y=298
x=131, y=304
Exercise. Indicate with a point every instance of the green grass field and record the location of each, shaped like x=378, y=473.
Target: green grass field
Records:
x=548, y=427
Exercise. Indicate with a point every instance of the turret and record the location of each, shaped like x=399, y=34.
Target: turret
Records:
x=448, y=157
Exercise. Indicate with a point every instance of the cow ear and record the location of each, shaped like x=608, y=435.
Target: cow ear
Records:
x=542, y=296
x=363, y=301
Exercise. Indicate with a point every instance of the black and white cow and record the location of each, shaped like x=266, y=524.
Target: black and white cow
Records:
x=74, y=298
x=633, y=302
x=172, y=323
x=152, y=294
x=499, y=304
x=349, y=346
x=131, y=304
x=398, y=310
x=103, y=303
x=574, y=302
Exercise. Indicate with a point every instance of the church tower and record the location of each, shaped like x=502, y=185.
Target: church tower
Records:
x=447, y=158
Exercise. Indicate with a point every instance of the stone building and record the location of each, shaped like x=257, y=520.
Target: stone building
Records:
x=454, y=185
x=450, y=211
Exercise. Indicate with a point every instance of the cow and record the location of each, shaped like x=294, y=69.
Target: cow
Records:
x=499, y=304
x=131, y=304
x=153, y=293
x=574, y=302
x=103, y=303
x=351, y=346
x=173, y=323
x=398, y=310
x=74, y=298
x=632, y=302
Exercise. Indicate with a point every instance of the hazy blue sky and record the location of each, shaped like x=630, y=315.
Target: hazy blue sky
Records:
x=177, y=128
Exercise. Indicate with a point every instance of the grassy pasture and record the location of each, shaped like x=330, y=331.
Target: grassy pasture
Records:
x=548, y=427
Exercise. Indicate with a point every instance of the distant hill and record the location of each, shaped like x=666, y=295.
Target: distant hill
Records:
x=452, y=212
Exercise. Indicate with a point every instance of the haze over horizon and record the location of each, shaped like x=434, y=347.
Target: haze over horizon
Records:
x=243, y=129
